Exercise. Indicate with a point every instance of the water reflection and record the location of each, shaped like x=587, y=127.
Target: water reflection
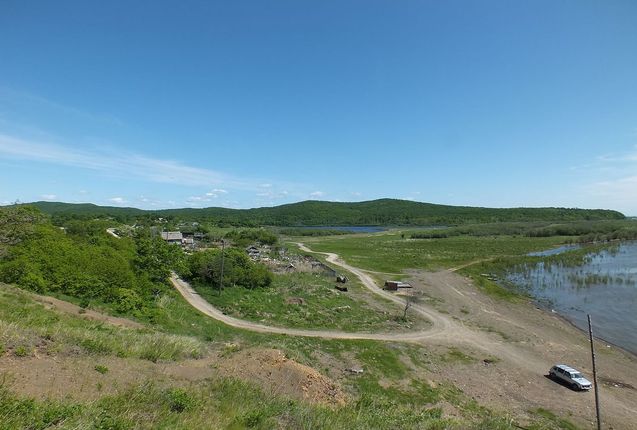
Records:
x=605, y=286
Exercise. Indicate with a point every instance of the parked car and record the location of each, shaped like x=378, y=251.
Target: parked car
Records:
x=571, y=377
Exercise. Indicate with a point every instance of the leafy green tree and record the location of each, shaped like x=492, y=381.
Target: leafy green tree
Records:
x=155, y=258
x=239, y=270
x=17, y=223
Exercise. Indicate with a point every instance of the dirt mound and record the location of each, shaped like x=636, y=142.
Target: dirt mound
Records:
x=273, y=371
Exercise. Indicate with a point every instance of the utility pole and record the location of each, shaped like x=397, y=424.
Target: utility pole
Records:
x=590, y=335
x=223, y=247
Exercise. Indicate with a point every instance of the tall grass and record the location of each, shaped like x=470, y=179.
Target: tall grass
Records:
x=26, y=326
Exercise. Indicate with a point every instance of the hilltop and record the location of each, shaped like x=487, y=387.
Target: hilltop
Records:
x=316, y=213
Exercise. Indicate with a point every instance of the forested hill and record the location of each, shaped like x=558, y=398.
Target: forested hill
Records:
x=316, y=213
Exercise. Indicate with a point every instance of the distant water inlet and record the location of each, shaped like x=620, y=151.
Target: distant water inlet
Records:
x=348, y=229
x=605, y=286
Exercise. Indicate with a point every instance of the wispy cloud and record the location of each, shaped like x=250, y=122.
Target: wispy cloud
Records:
x=117, y=200
x=618, y=193
x=269, y=196
x=117, y=163
x=21, y=98
x=48, y=196
x=207, y=197
x=216, y=192
x=617, y=187
x=317, y=194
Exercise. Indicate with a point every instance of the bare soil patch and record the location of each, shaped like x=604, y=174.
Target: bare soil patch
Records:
x=273, y=371
x=514, y=346
x=76, y=377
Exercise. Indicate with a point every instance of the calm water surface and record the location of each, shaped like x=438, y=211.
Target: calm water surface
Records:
x=554, y=251
x=353, y=229
x=605, y=286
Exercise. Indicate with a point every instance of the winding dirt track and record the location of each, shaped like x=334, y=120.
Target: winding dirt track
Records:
x=442, y=327
x=518, y=378
x=206, y=308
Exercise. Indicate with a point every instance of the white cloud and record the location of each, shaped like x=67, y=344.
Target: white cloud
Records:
x=32, y=100
x=620, y=192
x=270, y=196
x=216, y=192
x=207, y=197
x=117, y=200
x=616, y=183
x=317, y=194
x=120, y=163
x=48, y=197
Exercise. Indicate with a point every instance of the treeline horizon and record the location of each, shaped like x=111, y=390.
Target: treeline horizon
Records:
x=382, y=212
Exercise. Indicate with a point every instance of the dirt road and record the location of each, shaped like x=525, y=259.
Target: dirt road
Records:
x=524, y=341
x=206, y=308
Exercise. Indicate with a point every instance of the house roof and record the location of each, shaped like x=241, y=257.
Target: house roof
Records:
x=171, y=235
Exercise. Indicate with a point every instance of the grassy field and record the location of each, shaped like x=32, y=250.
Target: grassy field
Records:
x=306, y=300
x=27, y=329
x=394, y=251
x=390, y=394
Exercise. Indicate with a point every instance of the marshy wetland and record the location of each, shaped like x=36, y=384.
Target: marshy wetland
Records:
x=602, y=284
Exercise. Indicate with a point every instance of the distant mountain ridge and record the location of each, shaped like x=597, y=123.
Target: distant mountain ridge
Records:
x=383, y=212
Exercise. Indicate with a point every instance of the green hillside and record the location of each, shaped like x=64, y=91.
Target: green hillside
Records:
x=316, y=213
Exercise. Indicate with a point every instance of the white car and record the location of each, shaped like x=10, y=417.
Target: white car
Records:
x=571, y=377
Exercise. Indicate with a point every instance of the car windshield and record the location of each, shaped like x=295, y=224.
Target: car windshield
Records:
x=576, y=375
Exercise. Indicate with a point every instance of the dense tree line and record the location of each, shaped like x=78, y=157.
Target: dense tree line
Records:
x=585, y=231
x=82, y=261
x=312, y=232
x=248, y=236
x=79, y=259
x=238, y=270
x=318, y=213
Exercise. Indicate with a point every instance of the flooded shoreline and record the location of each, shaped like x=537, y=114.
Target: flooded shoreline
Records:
x=604, y=286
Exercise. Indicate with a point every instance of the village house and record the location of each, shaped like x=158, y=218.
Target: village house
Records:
x=174, y=237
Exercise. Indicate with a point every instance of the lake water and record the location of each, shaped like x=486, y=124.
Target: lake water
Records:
x=605, y=287
x=353, y=229
x=554, y=251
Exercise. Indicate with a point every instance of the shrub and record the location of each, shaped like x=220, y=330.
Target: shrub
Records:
x=22, y=351
x=179, y=400
x=127, y=300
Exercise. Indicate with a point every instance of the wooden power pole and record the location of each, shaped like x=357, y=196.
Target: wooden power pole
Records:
x=590, y=335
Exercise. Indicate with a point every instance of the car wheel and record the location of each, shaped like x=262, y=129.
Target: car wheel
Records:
x=574, y=386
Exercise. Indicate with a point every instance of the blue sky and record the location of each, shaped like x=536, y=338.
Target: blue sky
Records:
x=249, y=103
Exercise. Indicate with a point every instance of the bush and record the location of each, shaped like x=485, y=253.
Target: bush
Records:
x=101, y=369
x=33, y=281
x=127, y=300
x=179, y=400
x=238, y=269
x=248, y=236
